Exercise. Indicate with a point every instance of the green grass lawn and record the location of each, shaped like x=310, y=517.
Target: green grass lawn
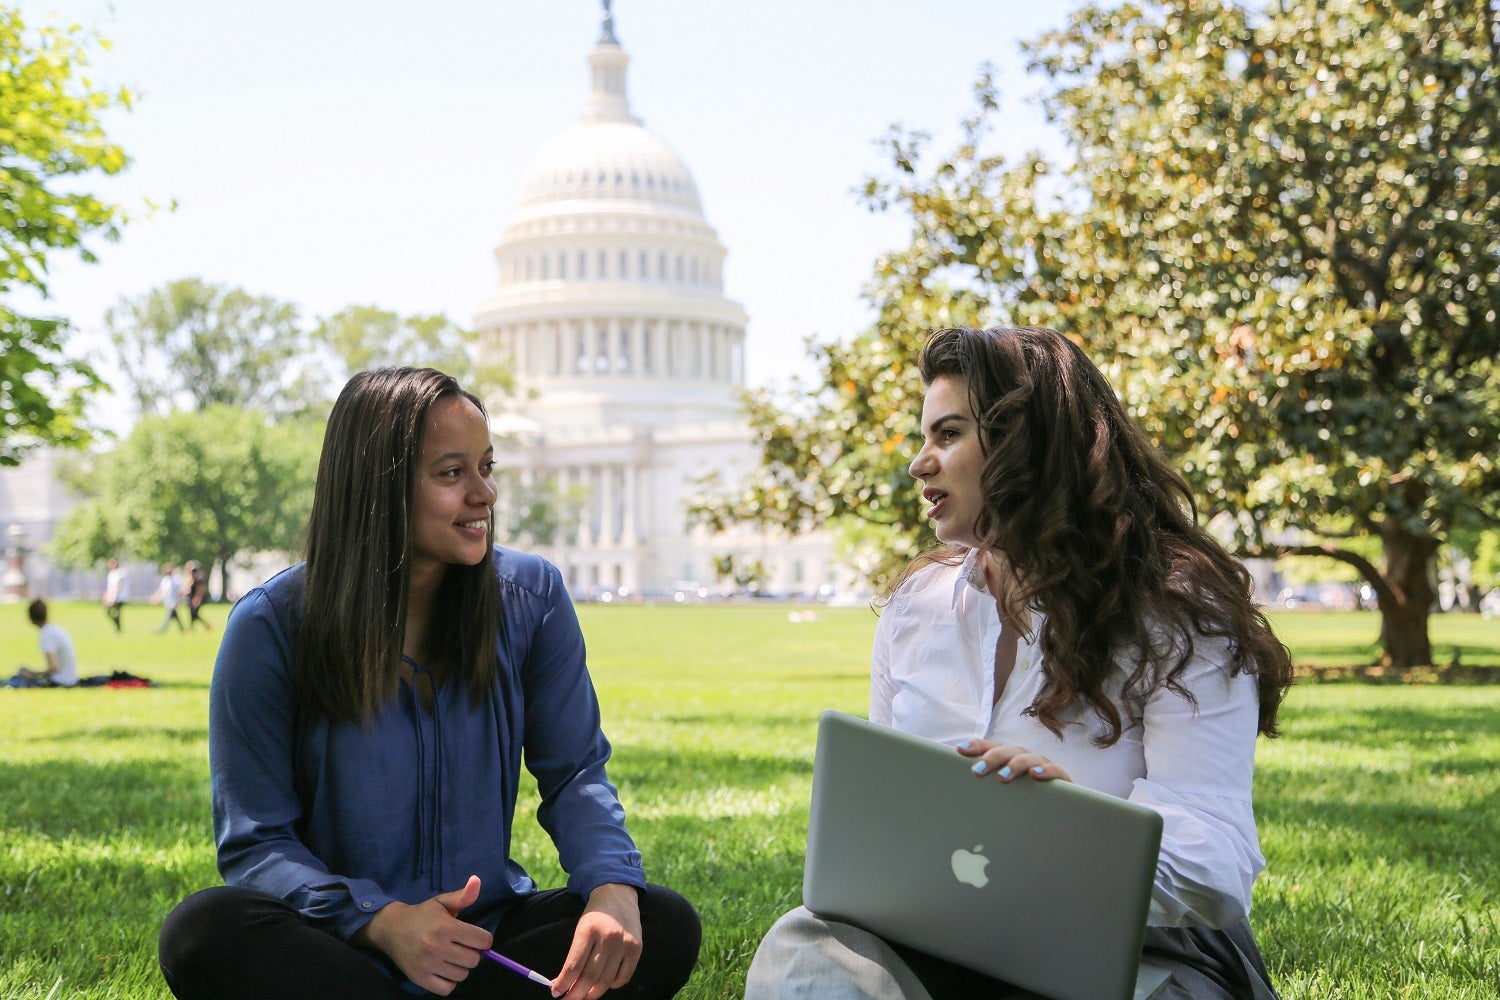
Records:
x=1379, y=808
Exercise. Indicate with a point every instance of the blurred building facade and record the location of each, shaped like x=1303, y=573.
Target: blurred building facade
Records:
x=630, y=361
x=33, y=501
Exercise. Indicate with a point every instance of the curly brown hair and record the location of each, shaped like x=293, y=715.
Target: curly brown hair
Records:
x=1098, y=529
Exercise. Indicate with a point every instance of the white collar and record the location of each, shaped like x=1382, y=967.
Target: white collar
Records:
x=971, y=572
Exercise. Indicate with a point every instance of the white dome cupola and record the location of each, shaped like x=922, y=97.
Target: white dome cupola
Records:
x=610, y=305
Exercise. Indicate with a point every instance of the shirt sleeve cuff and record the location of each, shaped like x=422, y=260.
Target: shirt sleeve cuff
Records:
x=344, y=907
x=585, y=881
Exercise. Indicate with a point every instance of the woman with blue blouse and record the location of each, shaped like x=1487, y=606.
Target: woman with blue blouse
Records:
x=369, y=714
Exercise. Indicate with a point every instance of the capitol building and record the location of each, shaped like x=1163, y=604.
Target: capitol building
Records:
x=629, y=362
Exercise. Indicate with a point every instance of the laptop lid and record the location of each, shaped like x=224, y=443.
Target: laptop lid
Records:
x=1044, y=885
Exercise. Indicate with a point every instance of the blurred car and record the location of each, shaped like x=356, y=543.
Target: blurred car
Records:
x=1318, y=596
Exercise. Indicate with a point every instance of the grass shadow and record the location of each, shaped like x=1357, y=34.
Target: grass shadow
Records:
x=1424, y=728
x=82, y=800
x=104, y=734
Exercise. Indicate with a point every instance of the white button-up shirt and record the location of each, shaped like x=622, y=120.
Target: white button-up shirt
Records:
x=933, y=675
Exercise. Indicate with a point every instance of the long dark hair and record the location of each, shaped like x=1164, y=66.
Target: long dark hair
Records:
x=348, y=648
x=1098, y=529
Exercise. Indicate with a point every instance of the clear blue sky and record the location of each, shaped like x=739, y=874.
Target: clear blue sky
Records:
x=334, y=153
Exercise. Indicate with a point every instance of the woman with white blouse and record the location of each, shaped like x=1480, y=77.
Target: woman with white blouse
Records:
x=1080, y=626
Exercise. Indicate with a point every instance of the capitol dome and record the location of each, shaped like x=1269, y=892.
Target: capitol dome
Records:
x=608, y=154
x=605, y=160
x=610, y=308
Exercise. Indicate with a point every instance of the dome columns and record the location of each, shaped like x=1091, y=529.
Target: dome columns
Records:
x=590, y=349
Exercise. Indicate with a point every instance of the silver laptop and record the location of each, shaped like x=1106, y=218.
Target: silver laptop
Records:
x=1044, y=885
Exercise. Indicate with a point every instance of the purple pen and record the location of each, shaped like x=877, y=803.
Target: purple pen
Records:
x=535, y=977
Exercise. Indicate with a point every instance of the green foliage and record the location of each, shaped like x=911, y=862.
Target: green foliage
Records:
x=747, y=575
x=219, y=345
x=91, y=532
x=1487, y=560
x=192, y=345
x=221, y=484
x=1482, y=549
x=1375, y=808
x=50, y=138
x=363, y=337
x=536, y=511
x=1277, y=234
x=1288, y=258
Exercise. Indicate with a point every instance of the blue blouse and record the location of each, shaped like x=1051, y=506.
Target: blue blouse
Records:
x=340, y=820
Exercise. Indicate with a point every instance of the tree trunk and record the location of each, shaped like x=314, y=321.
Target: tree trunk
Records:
x=1405, y=606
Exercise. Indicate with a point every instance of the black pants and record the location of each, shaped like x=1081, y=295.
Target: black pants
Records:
x=229, y=943
x=113, y=610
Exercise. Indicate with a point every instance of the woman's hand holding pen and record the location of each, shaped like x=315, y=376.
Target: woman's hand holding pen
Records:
x=1008, y=762
x=606, y=945
x=427, y=941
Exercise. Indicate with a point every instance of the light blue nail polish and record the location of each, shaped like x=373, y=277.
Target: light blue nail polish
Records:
x=1038, y=769
x=1005, y=771
x=964, y=745
x=978, y=767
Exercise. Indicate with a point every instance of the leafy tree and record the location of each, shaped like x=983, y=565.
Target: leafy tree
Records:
x=50, y=137
x=191, y=345
x=362, y=337
x=221, y=345
x=91, y=532
x=216, y=485
x=749, y=576
x=1278, y=231
x=537, y=513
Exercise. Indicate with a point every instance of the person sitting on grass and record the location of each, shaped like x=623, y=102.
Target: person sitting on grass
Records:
x=1080, y=626
x=368, y=716
x=58, y=654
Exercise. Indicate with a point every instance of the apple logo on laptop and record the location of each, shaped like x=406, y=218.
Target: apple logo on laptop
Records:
x=969, y=866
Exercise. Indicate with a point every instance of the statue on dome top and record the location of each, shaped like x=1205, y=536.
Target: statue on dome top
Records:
x=607, y=36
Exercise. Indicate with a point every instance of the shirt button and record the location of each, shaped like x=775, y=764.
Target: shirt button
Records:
x=366, y=904
x=1025, y=663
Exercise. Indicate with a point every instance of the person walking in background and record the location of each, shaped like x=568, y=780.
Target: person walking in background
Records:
x=196, y=583
x=168, y=595
x=60, y=661
x=368, y=716
x=116, y=591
